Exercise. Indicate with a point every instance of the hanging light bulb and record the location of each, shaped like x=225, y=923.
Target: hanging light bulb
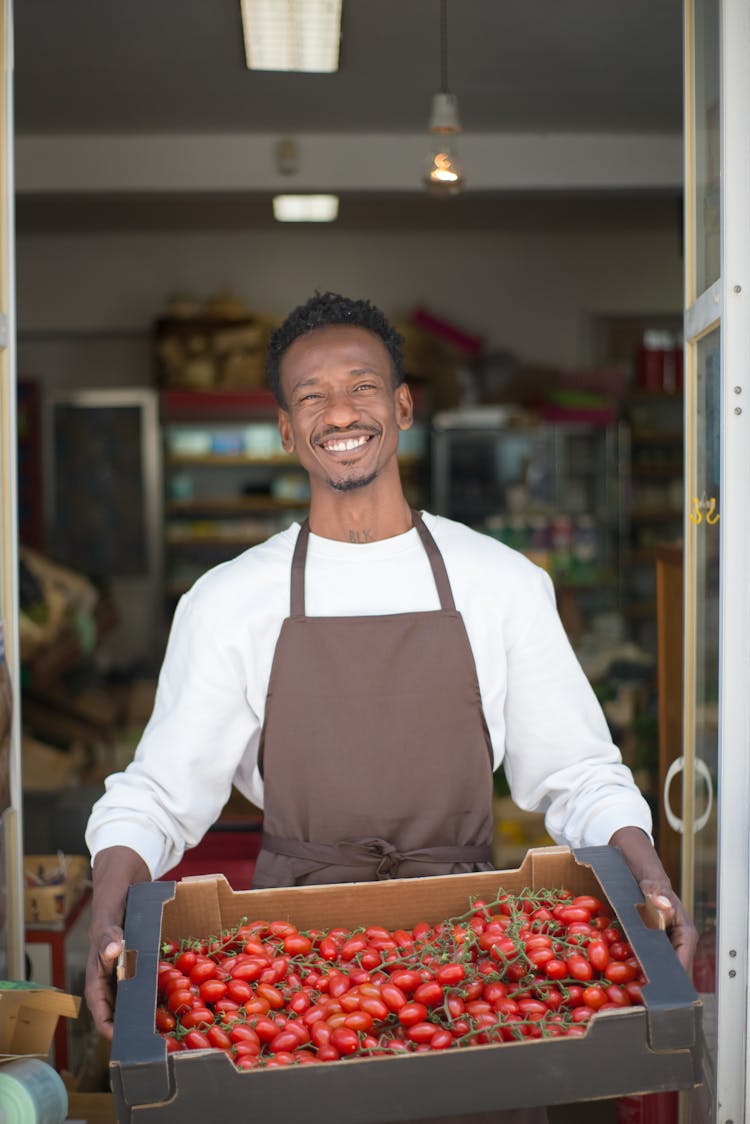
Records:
x=443, y=174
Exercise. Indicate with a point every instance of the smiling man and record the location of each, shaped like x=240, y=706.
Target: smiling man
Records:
x=361, y=675
x=344, y=403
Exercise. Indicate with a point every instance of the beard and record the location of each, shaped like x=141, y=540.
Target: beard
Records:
x=352, y=482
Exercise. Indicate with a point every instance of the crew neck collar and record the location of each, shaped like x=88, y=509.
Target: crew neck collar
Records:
x=382, y=548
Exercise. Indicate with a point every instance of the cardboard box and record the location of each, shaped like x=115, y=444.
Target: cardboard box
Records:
x=53, y=902
x=91, y=1108
x=28, y=1018
x=636, y=1050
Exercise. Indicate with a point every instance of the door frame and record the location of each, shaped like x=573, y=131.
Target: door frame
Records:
x=725, y=304
x=10, y=831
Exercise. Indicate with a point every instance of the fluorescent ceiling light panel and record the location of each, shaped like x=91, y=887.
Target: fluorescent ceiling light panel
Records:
x=305, y=208
x=299, y=35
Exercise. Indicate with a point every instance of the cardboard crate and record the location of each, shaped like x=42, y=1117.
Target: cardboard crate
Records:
x=91, y=1108
x=55, y=901
x=28, y=1018
x=636, y=1050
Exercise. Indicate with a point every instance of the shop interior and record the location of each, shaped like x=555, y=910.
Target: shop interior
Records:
x=542, y=325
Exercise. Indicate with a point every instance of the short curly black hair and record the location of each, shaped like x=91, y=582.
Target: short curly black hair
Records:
x=322, y=311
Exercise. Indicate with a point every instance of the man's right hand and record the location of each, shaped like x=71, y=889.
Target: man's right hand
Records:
x=115, y=870
x=102, y=960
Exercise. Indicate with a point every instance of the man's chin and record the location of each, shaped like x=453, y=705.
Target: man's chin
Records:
x=352, y=483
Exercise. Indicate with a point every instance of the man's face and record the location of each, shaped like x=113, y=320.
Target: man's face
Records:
x=343, y=414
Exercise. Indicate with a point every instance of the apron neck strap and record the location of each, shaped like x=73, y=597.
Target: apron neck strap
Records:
x=437, y=565
x=297, y=592
x=435, y=558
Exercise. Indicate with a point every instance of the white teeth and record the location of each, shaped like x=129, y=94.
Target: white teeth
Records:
x=345, y=446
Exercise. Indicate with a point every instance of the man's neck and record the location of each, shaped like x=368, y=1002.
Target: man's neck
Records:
x=358, y=518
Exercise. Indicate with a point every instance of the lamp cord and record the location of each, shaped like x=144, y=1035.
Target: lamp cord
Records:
x=443, y=46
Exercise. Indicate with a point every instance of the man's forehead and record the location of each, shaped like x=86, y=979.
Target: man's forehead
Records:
x=339, y=343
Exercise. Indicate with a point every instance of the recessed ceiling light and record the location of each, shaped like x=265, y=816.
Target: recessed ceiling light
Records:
x=305, y=208
x=299, y=35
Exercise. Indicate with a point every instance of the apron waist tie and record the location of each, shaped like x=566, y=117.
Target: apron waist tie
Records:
x=363, y=852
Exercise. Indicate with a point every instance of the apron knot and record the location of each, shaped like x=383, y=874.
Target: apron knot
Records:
x=389, y=857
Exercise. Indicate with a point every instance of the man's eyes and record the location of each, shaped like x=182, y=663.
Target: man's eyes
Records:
x=313, y=396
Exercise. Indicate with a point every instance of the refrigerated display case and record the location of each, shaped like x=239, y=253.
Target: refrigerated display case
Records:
x=546, y=489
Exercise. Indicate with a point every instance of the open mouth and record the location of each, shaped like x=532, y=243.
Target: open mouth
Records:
x=340, y=444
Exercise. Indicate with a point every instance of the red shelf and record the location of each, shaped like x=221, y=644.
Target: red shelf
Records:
x=178, y=405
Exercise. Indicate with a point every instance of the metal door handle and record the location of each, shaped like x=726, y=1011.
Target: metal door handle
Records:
x=702, y=770
x=674, y=821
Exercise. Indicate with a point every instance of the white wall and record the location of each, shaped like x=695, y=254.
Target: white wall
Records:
x=86, y=303
x=532, y=292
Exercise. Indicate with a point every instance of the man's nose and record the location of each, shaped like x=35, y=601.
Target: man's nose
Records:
x=340, y=409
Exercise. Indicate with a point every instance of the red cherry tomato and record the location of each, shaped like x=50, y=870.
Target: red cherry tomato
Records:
x=393, y=997
x=579, y=967
x=421, y=1032
x=218, y=1038
x=594, y=997
x=619, y=972
x=165, y=1020
x=186, y=960
x=297, y=944
x=411, y=1013
x=197, y=1016
x=211, y=990
x=179, y=1001
x=196, y=1040
x=345, y=1040
x=431, y=994
x=598, y=953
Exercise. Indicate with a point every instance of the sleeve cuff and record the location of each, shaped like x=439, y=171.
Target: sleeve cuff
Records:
x=600, y=828
x=147, y=844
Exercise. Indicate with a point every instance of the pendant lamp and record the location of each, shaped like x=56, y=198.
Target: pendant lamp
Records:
x=443, y=174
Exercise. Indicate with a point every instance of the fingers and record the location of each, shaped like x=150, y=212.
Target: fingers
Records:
x=681, y=931
x=110, y=954
x=100, y=1000
x=100, y=991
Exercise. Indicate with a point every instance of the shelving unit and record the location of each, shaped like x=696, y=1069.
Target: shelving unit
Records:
x=652, y=502
x=228, y=483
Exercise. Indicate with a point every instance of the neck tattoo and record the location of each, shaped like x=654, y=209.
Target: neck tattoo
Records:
x=360, y=536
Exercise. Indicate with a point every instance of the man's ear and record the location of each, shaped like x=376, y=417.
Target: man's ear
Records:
x=285, y=429
x=404, y=407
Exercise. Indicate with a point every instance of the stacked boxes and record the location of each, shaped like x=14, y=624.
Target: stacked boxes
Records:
x=53, y=886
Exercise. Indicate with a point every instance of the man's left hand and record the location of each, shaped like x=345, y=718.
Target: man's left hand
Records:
x=640, y=855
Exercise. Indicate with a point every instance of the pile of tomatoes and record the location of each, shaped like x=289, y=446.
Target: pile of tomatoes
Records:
x=534, y=965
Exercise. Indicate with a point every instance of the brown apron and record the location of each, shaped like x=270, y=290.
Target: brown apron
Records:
x=375, y=753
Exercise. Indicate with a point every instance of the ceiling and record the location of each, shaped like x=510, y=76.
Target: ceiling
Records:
x=516, y=65
x=177, y=67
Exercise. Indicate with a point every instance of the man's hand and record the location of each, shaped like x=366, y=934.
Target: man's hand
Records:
x=115, y=870
x=655, y=886
x=682, y=932
x=100, y=970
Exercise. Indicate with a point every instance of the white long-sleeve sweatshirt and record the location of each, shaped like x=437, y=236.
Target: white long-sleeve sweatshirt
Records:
x=545, y=722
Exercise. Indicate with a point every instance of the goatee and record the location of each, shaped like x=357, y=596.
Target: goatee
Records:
x=352, y=482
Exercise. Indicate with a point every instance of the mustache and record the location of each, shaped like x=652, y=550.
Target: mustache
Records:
x=336, y=431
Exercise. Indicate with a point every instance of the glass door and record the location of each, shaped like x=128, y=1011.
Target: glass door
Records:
x=11, y=890
x=717, y=540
